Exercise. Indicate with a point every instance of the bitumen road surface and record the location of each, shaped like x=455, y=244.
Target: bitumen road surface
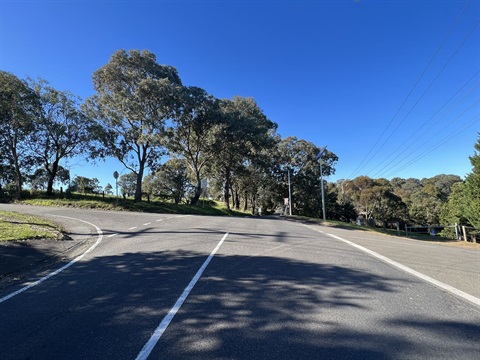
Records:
x=161, y=286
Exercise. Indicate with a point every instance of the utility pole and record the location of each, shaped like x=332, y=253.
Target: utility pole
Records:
x=289, y=194
x=319, y=158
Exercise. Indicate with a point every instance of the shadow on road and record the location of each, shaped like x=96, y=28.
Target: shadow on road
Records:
x=242, y=308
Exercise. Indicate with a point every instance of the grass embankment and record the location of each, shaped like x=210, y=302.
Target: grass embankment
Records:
x=16, y=226
x=110, y=203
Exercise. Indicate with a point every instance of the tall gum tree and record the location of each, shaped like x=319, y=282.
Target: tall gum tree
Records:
x=64, y=130
x=244, y=133
x=135, y=98
x=19, y=108
x=191, y=137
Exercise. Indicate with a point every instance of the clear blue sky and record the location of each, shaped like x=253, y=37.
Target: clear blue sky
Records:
x=347, y=74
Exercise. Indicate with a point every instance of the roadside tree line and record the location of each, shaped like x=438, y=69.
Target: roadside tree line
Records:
x=142, y=114
x=440, y=200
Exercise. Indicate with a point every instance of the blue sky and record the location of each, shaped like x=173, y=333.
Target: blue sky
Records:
x=389, y=86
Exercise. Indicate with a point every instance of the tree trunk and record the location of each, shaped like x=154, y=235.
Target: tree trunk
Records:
x=198, y=190
x=142, y=160
x=51, y=177
x=138, y=187
x=226, y=192
x=245, y=206
x=237, y=200
x=18, y=180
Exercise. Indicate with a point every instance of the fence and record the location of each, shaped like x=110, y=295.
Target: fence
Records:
x=468, y=233
x=465, y=233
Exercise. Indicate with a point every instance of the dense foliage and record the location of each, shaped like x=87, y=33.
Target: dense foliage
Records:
x=181, y=143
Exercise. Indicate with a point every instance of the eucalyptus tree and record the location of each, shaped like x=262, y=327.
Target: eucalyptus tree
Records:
x=463, y=206
x=40, y=178
x=127, y=184
x=169, y=181
x=472, y=183
x=244, y=132
x=135, y=98
x=297, y=159
x=19, y=108
x=85, y=185
x=63, y=131
x=191, y=135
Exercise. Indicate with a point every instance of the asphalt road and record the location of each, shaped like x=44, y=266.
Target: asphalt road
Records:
x=273, y=289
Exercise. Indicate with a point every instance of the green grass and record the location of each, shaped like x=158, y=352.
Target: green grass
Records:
x=391, y=232
x=16, y=226
x=110, y=203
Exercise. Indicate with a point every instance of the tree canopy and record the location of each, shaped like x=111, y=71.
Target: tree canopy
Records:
x=135, y=97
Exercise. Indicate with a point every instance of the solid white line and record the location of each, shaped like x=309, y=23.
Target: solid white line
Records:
x=424, y=277
x=157, y=334
x=100, y=237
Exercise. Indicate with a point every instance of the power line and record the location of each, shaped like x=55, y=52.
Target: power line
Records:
x=445, y=140
x=433, y=136
x=355, y=172
x=419, y=134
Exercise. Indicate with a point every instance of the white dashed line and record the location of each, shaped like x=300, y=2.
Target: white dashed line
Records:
x=112, y=235
x=157, y=334
x=147, y=223
x=132, y=228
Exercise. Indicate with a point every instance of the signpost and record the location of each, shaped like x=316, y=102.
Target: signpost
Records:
x=115, y=175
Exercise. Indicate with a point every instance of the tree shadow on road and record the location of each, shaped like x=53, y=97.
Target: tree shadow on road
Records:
x=261, y=307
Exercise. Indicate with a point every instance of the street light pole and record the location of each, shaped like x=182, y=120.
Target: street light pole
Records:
x=319, y=158
x=289, y=194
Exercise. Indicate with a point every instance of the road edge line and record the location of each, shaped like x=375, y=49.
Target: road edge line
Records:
x=441, y=285
x=39, y=281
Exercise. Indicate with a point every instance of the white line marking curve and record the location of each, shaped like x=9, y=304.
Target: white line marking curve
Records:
x=418, y=274
x=157, y=334
x=39, y=281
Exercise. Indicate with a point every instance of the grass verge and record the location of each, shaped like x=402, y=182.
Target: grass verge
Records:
x=16, y=226
x=350, y=226
x=110, y=203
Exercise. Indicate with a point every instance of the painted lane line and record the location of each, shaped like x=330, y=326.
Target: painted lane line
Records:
x=134, y=227
x=424, y=277
x=157, y=334
x=66, y=266
x=112, y=235
x=147, y=223
x=159, y=220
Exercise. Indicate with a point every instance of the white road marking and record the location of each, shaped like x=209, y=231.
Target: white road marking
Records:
x=157, y=334
x=112, y=235
x=424, y=277
x=147, y=223
x=25, y=288
x=159, y=220
x=134, y=227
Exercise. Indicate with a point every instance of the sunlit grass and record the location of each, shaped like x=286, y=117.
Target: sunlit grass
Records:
x=80, y=201
x=16, y=226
